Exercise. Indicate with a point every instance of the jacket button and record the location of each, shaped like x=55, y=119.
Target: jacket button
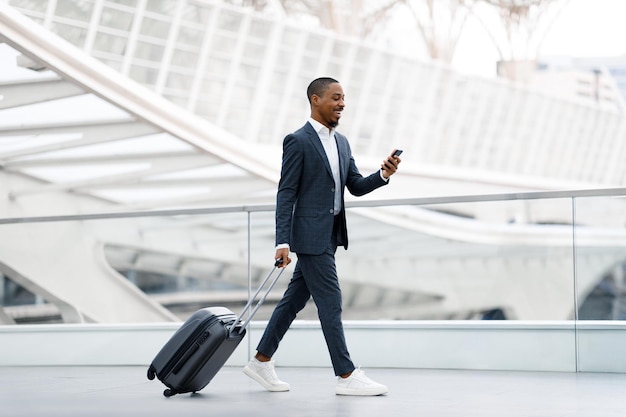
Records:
x=332, y=190
x=332, y=211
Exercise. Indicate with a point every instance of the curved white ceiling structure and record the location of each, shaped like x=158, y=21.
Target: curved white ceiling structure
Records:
x=175, y=104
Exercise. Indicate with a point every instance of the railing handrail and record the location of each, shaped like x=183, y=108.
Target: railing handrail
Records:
x=532, y=195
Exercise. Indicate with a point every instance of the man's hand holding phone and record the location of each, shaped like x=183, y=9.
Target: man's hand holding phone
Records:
x=390, y=165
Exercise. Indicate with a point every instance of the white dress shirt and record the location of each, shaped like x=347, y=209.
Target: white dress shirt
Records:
x=327, y=137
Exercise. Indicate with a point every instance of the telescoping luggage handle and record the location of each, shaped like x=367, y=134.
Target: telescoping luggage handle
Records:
x=261, y=300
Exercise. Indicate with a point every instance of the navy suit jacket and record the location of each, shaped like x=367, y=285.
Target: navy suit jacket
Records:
x=306, y=191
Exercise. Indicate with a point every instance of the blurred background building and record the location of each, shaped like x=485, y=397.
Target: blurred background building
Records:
x=139, y=105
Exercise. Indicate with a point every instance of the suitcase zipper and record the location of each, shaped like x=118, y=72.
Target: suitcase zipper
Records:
x=191, y=340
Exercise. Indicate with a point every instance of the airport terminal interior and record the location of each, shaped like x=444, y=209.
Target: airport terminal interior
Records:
x=140, y=151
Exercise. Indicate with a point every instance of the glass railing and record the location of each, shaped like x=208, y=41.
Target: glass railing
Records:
x=545, y=256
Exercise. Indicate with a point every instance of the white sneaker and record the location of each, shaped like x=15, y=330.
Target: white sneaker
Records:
x=358, y=384
x=264, y=374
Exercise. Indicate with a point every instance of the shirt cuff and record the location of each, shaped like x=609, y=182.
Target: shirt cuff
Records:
x=381, y=176
x=282, y=246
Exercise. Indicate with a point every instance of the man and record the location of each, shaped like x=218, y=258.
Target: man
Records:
x=310, y=221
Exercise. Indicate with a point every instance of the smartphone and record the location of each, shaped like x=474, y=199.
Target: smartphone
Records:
x=398, y=152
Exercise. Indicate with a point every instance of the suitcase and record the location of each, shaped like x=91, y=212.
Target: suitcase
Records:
x=203, y=344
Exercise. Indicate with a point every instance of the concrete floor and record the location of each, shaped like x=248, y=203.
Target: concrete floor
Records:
x=125, y=391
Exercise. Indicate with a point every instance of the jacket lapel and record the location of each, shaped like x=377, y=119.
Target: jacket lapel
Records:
x=317, y=144
x=342, y=150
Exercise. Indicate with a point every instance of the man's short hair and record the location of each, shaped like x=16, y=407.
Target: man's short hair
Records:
x=319, y=86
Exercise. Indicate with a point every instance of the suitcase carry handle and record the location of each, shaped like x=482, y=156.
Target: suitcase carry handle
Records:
x=245, y=323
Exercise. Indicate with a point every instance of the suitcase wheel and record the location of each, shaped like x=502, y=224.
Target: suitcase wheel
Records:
x=151, y=373
x=168, y=393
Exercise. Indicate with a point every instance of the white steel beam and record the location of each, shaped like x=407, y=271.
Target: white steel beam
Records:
x=223, y=190
x=92, y=160
x=265, y=83
x=21, y=93
x=94, y=23
x=166, y=60
x=92, y=133
x=131, y=44
x=203, y=57
x=170, y=166
x=233, y=74
x=72, y=64
x=290, y=84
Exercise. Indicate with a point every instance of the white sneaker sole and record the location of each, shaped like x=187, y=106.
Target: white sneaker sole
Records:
x=371, y=392
x=273, y=388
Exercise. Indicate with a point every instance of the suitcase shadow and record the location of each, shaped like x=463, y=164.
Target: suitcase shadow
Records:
x=200, y=395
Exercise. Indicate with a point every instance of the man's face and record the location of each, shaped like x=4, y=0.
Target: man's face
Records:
x=328, y=108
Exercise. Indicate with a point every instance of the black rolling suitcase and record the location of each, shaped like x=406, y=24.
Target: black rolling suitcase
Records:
x=203, y=344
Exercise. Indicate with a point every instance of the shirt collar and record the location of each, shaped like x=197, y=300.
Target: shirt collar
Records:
x=318, y=127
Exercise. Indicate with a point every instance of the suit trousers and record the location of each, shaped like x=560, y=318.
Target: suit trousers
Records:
x=314, y=276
